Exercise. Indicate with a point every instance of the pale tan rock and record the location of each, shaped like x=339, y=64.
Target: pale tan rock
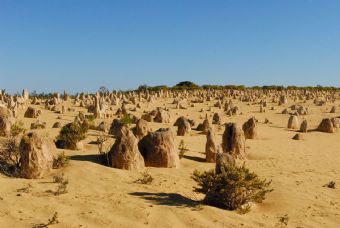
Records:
x=159, y=149
x=32, y=113
x=36, y=152
x=142, y=129
x=250, y=129
x=124, y=153
x=210, y=147
x=293, y=122
x=233, y=141
x=6, y=121
x=326, y=126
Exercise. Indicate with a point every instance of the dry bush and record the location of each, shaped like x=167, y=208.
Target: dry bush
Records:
x=51, y=221
x=90, y=122
x=9, y=151
x=62, y=187
x=145, y=178
x=60, y=161
x=232, y=188
x=26, y=189
x=103, y=150
x=17, y=128
x=330, y=185
x=58, y=178
x=10, y=156
x=182, y=148
x=283, y=220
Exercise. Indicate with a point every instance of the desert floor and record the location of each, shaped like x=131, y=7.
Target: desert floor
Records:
x=100, y=196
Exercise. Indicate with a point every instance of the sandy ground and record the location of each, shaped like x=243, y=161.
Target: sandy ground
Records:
x=100, y=196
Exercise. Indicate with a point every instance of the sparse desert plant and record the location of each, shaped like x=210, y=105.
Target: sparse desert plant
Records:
x=17, y=128
x=51, y=221
x=62, y=186
x=330, y=185
x=283, y=220
x=90, y=117
x=126, y=119
x=58, y=178
x=244, y=209
x=182, y=148
x=90, y=122
x=232, y=188
x=70, y=135
x=38, y=125
x=60, y=161
x=145, y=178
x=103, y=90
x=10, y=156
x=101, y=140
x=26, y=189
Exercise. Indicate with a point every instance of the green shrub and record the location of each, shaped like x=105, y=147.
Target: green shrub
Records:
x=186, y=85
x=10, y=156
x=90, y=118
x=126, y=119
x=232, y=188
x=90, y=122
x=71, y=134
x=103, y=90
x=17, y=128
x=41, y=95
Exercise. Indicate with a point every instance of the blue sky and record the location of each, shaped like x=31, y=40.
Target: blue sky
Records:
x=80, y=45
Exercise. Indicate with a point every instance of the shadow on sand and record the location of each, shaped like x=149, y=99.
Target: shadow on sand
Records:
x=193, y=158
x=167, y=199
x=275, y=126
x=95, y=158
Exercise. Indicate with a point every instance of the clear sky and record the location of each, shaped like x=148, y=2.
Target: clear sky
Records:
x=80, y=45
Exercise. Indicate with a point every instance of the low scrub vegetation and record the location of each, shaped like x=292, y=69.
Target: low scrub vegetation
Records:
x=71, y=134
x=126, y=120
x=187, y=85
x=53, y=220
x=89, y=122
x=17, y=128
x=145, y=178
x=182, y=149
x=9, y=151
x=231, y=189
x=60, y=161
x=103, y=149
x=62, y=185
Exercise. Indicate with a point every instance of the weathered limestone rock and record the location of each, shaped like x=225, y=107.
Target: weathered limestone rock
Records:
x=233, y=141
x=125, y=154
x=159, y=149
x=36, y=152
